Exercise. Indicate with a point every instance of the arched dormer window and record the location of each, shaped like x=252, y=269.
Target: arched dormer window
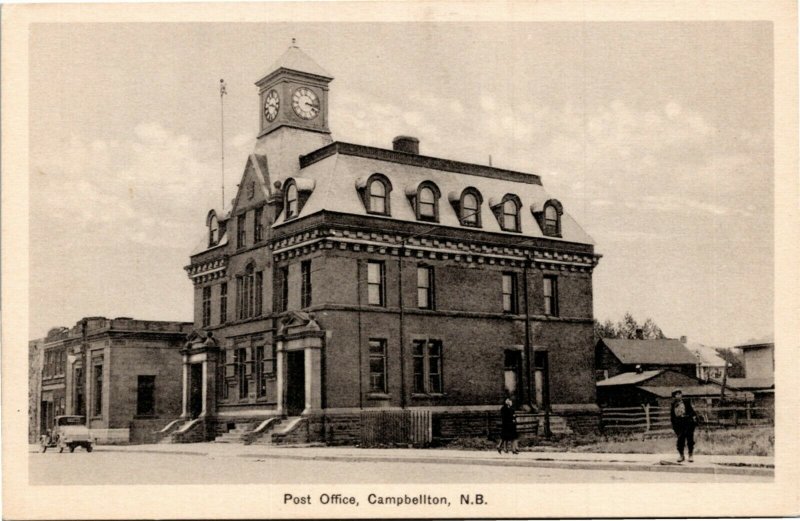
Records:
x=470, y=214
x=213, y=230
x=549, y=217
x=291, y=201
x=296, y=193
x=467, y=206
x=424, y=198
x=507, y=213
x=374, y=192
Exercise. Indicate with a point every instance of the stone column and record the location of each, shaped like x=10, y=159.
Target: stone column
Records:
x=185, y=409
x=313, y=374
x=204, y=388
x=281, y=378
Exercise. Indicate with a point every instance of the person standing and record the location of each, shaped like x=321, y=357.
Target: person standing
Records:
x=508, y=428
x=684, y=420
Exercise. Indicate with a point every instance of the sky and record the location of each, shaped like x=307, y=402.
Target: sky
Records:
x=656, y=137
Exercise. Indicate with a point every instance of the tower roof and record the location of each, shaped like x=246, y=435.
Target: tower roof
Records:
x=296, y=60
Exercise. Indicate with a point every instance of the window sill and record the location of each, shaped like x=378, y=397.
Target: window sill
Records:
x=379, y=396
x=428, y=395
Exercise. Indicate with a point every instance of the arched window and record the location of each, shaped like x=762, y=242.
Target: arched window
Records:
x=424, y=198
x=470, y=208
x=213, y=231
x=427, y=203
x=378, y=197
x=551, y=219
x=291, y=201
x=510, y=215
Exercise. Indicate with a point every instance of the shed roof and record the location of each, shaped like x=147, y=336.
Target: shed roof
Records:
x=629, y=378
x=666, y=351
x=696, y=391
x=751, y=383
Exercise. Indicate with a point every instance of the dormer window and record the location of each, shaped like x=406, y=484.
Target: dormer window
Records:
x=374, y=193
x=507, y=213
x=470, y=208
x=549, y=217
x=291, y=201
x=426, y=201
x=213, y=230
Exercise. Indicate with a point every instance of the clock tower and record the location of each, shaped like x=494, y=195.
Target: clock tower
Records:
x=293, y=110
x=294, y=93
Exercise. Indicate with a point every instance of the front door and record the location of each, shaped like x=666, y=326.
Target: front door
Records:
x=512, y=369
x=296, y=383
x=196, y=390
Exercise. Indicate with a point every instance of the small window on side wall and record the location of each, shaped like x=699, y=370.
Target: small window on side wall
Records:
x=291, y=201
x=507, y=213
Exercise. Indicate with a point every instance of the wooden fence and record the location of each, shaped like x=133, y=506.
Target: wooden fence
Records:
x=649, y=418
x=404, y=427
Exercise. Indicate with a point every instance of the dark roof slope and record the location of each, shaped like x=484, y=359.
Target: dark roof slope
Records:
x=666, y=351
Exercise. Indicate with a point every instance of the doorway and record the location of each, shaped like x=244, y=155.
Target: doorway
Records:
x=195, y=390
x=296, y=383
x=47, y=415
x=512, y=372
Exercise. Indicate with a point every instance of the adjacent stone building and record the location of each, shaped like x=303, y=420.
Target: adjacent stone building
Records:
x=348, y=278
x=34, y=389
x=122, y=375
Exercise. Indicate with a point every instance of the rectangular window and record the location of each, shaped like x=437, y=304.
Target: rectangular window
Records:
x=305, y=286
x=261, y=374
x=550, y=291
x=240, y=360
x=377, y=365
x=284, y=294
x=146, y=395
x=510, y=293
x=258, y=227
x=207, y=306
x=223, y=302
x=259, y=293
x=425, y=287
x=427, y=356
x=98, y=390
x=241, y=231
x=375, y=283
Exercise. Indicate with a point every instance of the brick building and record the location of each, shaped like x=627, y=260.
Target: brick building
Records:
x=348, y=278
x=122, y=374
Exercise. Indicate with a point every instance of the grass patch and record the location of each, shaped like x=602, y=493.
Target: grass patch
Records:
x=741, y=441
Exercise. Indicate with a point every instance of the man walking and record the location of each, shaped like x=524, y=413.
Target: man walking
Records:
x=684, y=420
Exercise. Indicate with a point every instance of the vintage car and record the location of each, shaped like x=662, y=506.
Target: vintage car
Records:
x=68, y=432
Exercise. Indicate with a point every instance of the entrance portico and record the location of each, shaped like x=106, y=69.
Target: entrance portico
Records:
x=299, y=345
x=200, y=356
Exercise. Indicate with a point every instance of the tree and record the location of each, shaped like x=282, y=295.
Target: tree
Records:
x=736, y=367
x=626, y=328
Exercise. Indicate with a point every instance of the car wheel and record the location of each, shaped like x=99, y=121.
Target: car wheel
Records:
x=72, y=448
x=88, y=448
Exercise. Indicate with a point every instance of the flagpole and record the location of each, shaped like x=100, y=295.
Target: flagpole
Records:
x=222, y=92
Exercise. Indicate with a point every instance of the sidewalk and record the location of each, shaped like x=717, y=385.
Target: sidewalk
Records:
x=705, y=464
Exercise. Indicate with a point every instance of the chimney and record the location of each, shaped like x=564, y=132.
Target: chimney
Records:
x=684, y=339
x=407, y=144
x=639, y=333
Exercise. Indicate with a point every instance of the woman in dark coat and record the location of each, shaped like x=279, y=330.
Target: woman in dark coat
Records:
x=684, y=420
x=508, y=432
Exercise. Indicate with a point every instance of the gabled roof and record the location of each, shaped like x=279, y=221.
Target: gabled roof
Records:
x=296, y=60
x=706, y=355
x=629, y=378
x=668, y=351
x=338, y=175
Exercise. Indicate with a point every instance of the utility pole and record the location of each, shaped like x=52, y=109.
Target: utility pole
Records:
x=222, y=91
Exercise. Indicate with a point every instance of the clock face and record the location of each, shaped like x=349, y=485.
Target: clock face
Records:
x=271, y=104
x=305, y=103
